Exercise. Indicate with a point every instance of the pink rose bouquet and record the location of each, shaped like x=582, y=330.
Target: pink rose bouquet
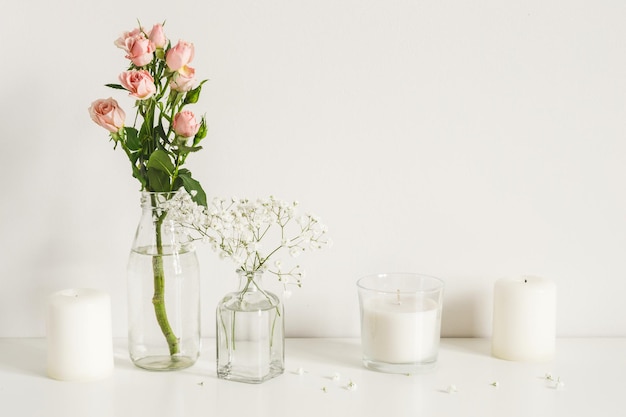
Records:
x=161, y=81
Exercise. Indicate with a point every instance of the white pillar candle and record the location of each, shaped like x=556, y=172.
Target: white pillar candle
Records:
x=80, y=344
x=524, y=319
x=402, y=329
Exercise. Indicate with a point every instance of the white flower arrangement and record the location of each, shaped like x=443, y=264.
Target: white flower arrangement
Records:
x=241, y=229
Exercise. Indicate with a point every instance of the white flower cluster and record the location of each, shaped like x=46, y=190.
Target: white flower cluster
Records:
x=251, y=232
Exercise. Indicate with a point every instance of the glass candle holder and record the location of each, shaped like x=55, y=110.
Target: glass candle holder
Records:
x=400, y=321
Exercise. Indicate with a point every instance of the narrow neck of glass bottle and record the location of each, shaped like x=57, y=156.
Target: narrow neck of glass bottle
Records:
x=154, y=201
x=250, y=281
x=157, y=229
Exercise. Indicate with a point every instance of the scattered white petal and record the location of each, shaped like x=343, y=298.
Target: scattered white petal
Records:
x=324, y=389
x=549, y=377
x=336, y=376
x=300, y=371
x=495, y=384
x=451, y=389
x=559, y=384
x=352, y=386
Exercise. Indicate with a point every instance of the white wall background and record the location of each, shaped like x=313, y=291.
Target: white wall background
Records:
x=470, y=140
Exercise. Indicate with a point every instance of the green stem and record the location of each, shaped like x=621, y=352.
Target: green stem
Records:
x=221, y=319
x=250, y=281
x=158, y=299
x=274, y=326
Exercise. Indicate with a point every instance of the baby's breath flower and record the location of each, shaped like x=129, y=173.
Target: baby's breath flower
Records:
x=242, y=230
x=559, y=384
x=451, y=389
x=555, y=383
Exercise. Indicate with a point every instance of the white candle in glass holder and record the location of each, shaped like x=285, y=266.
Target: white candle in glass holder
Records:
x=524, y=319
x=400, y=329
x=79, y=339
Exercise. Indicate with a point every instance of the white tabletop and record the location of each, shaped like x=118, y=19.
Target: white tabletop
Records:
x=592, y=372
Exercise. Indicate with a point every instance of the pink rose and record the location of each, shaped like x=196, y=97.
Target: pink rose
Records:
x=121, y=41
x=185, y=124
x=157, y=36
x=108, y=114
x=183, y=79
x=139, y=83
x=179, y=55
x=140, y=50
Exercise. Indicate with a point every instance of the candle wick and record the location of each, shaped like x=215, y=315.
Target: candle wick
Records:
x=525, y=280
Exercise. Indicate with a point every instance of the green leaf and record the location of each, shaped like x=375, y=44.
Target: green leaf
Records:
x=161, y=132
x=132, y=140
x=160, y=171
x=134, y=156
x=192, y=186
x=158, y=181
x=115, y=86
x=144, y=133
x=137, y=174
x=160, y=161
x=182, y=149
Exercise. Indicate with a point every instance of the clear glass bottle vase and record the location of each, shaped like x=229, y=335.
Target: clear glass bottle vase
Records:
x=250, y=332
x=163, y=292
